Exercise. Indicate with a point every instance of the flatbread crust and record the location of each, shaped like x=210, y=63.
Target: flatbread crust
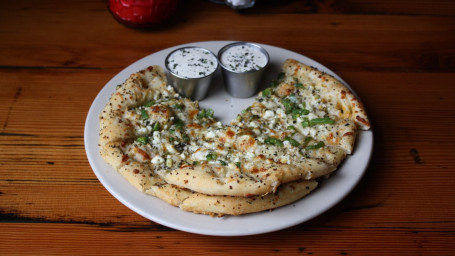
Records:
x=229, y=205
x=161, y=143
x=204, y=179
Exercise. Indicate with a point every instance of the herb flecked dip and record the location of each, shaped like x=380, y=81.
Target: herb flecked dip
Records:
x=243, y=58
x=192, y=62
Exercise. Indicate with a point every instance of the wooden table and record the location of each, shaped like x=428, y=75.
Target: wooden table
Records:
x=399, y=56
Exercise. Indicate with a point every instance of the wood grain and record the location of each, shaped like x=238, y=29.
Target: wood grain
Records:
x=398, y=56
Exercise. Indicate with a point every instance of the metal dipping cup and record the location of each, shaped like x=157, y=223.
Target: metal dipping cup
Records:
x=242, y=84
x=194, y=88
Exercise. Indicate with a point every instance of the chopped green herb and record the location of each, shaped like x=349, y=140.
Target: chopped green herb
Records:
x=253, y=117
x=274, y=83
x=205, y=113
x=292, y=141
x=223, y=163
x=143, y=140
x=296, y=112
x=316, y=146
x=305, y=122
x=149, y=104
x=323, y=120
x=274, y=141
x=246, y=110
x=291, y=127
x=178, y=106
x=211, y=156
x=287, y=105
x=307, y=141
x=156, y=127
x=144, y=114
x=238, y=164
x=267, y=92
x=195, y=162
x=179, y=124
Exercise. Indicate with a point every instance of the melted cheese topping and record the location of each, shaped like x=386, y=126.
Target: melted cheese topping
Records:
x=284, y=125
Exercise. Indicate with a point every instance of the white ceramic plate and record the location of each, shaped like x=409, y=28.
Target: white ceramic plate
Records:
x=327, y=195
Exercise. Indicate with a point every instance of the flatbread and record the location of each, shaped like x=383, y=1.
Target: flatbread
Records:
x=295, y=132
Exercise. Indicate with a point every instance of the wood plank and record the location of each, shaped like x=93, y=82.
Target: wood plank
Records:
x=86, y=239
x=343, y=42
x=387, y=7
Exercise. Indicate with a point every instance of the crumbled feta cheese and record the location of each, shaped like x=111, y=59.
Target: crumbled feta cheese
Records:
x=269, y=114
x=285, y=160
x=280, y=113
x=313, y=132
x=156, y=137
x=200, y=155
x=210, y=135
x=254, y=124
x=287, y=144
x=171, y=149
x=157, y=160
x=250, y=156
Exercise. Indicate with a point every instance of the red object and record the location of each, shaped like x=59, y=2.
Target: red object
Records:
x=142, y=13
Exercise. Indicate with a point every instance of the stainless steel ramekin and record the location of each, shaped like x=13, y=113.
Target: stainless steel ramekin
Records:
x=242, y=84
x=194, y=88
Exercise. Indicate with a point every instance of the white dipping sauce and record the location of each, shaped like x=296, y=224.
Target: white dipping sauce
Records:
x=192, y=62
x=243, y=58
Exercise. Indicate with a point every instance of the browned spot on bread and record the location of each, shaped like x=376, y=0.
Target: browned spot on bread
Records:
x=192, y=113
x=348, y=134
x=256, y=170
x=162, y=111
x=230, y=133
x=343, y=94
x=245, y=142
x=193, y=125
x=144, y=154
x=362, y=120
x=285, y=89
